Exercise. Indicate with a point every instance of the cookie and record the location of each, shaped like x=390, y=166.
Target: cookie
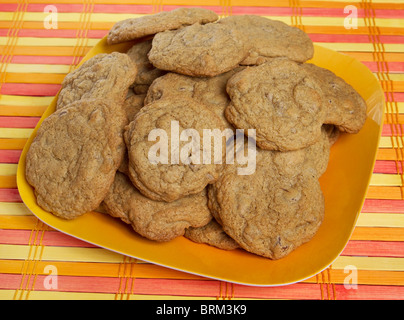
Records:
x=278, y=208
x=268, y=38
x=198, y=50
x=135, y=28
x=346, y=109
x=211, y=234
x=146, y=71
x=164, y=166
x=281, y=100
x=72, y=161
x=102, y=75
x=211, y=91
x=155, y=220
x=132, y=105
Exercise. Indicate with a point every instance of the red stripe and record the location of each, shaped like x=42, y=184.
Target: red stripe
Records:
x=395, y=96
x=312, y=12
x=18, y=122
x=293, y=291
x=10, y=156
x=353, y=38
x=387, y=206
x=382, y=166
x=30, y=89
x=50, y=238
x=9, y=195
x=8, y=7
x=374, y=249
x=55, y=33
x=68, y=60
x=38, y=7
x=392, y=130
x=370, y=292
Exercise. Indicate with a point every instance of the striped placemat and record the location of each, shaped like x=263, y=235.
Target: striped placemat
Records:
x=37, y=51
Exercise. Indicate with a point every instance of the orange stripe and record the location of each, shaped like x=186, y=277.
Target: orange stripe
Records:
x=44, y=51
x=12, y=144
x=8, y=182
x=52, y=78
x=388, y=154
x=29, y=111
x=395, y=278
x=369, y=56
x=393, y=193
x=378, y=234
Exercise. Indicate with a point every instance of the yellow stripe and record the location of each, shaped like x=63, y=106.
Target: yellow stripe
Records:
x=14, y=209
x=48, y=42
x=60, y=295
x=387, y=142
x=397, y=77
x=364, y=47
x=370, y=263
x=60, y=254
x=11, y=100
x=400, y=106
x=15, y=132
x=114, y=17
x=393, y=220
x=8, y=169
x=391, y=180
x=37, y=68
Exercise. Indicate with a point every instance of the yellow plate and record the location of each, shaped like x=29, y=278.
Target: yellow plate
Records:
x=344, y=185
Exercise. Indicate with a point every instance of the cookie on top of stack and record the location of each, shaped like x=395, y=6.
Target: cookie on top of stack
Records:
x=190, y=68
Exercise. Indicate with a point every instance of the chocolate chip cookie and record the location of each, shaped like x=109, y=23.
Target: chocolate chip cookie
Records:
x=72, y=161
x=155, y=220
x=134, y=28
x=168, y=158
x=102, y=75
x=198, y=50
x=268, y=38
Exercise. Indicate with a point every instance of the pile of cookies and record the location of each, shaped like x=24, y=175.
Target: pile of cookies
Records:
x=187, y=67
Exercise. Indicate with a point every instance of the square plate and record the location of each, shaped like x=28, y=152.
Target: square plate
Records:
x=344, y=185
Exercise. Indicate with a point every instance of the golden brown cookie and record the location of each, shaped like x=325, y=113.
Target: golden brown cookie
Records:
x=211, y=234
x=198, y=50
x=155, y=220
x=279, y=207
x=281, y=100
x=146, y=71
x=346, y=109
x=104, y=75
x=135, y=28
x=72, y=161
x=268, y=38
x=211, y=91
x=167, y=157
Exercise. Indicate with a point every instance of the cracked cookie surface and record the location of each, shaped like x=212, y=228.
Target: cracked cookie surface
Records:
x=346, y=109
x=72, y=160
x=211, y=234
x=279, y=99
x=198, y=50
x=171, y=164
x=279, y=207
x=135, y=28
x=102, y=75
x=155, y=220
x=211, y=91
x=268, y=38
